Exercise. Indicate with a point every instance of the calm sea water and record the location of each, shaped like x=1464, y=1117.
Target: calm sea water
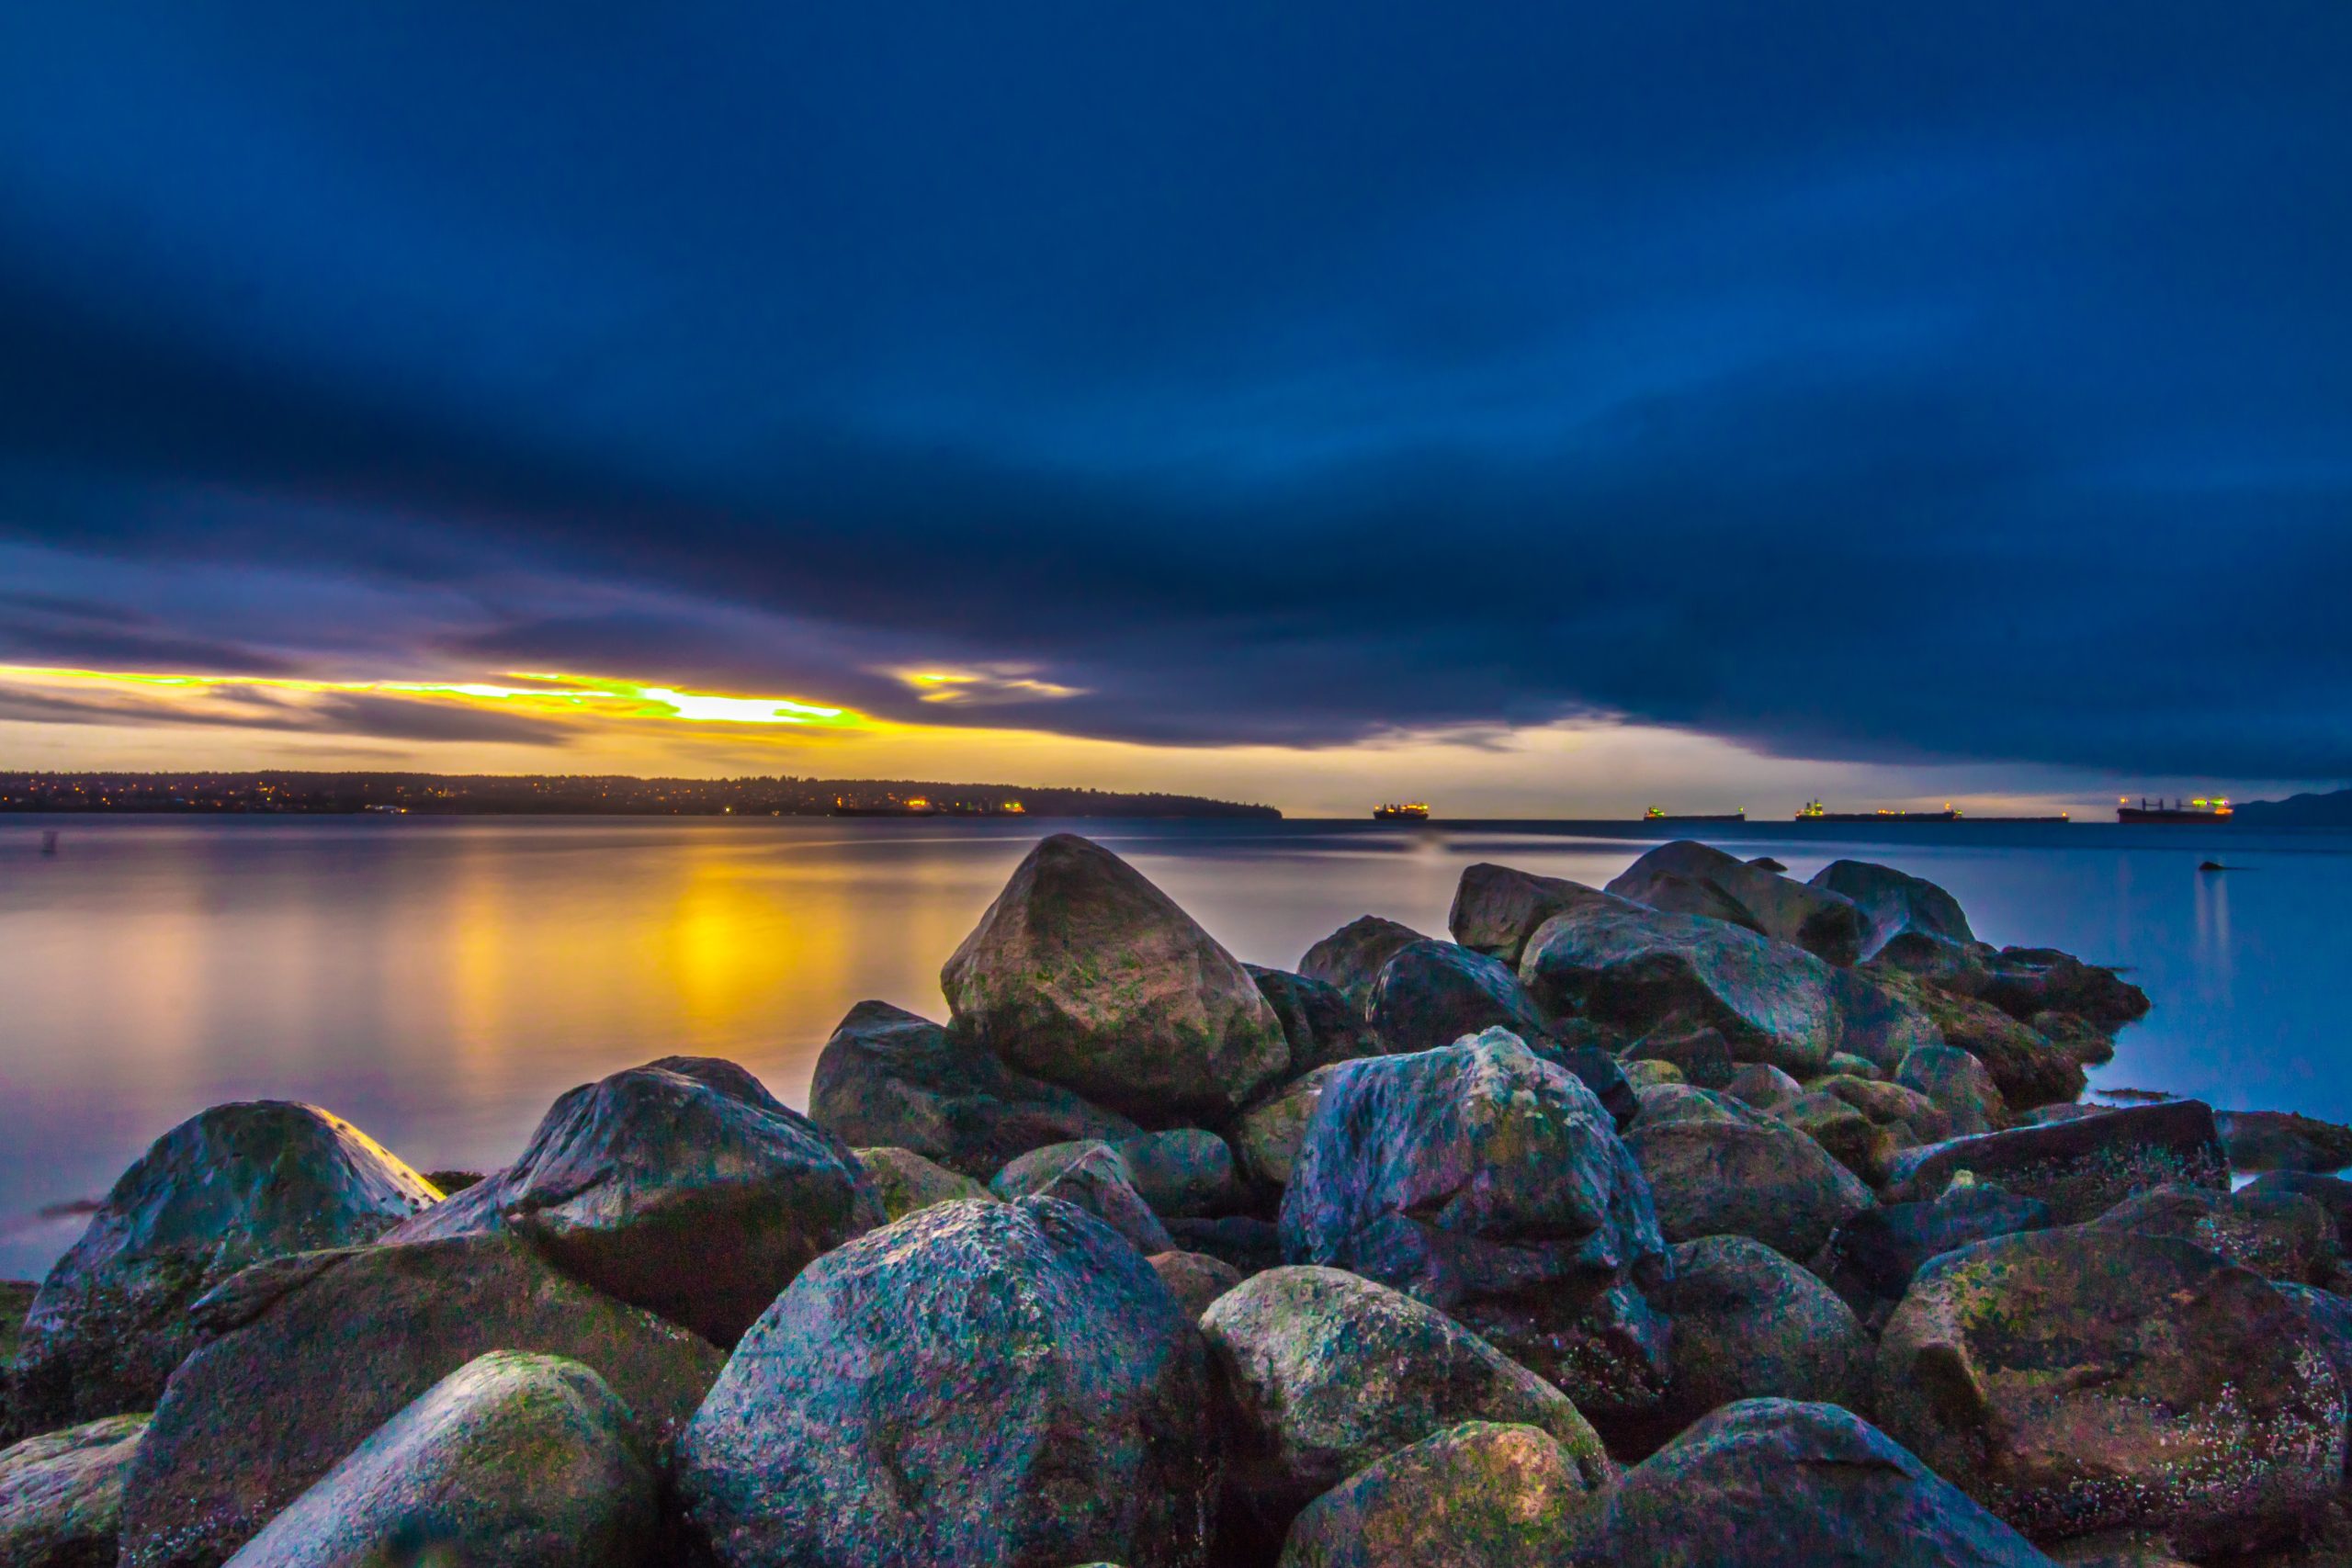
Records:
x=438, y=981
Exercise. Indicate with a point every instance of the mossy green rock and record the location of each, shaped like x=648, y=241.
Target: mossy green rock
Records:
x=1267, y=1138
x=2028, y=1069
x=1781, y=1484
x=1637, y=968
x=1744, y=1175
x=231, y=1186
x=314, y=1352
x=1083, y=974
x=2081, y=1379
x=60, y=1494
x=1323, y=1372
x=905, y=1182
x=1491, y=1184
x=681, y=1186
x=522, y=1461
x=980, y=1383
x=1094, y=1176
x=1482, y=1495
x=890, y=1079
x=15, y=1300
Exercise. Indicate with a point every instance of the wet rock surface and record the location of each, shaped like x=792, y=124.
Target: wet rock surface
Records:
x=2082, y=1166
x=1738, y=1173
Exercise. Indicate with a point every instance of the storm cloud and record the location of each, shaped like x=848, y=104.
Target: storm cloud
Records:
x=1968, y=382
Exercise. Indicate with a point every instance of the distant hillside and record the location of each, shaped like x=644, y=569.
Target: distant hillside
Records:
x=2332, y=810
x=494, y=794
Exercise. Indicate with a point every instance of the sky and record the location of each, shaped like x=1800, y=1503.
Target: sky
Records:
x=1539, y=409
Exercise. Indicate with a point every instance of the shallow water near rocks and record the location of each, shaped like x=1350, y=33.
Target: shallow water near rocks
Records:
x=438, y=981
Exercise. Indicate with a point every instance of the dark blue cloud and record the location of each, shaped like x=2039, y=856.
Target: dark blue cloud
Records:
x=1968, y=381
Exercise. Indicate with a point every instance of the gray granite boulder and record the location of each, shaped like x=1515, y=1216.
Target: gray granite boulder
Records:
x=523, y=1460
x=2081, y=1168
x=1004, y=1384
x=1482, y=1495
x=228, y=1186
x=1093, y=1177
x=1321, y=1024
x=1496, y=909
x=60, y=1494
x=2027, y=1069
x=1871, y=1258
x=1777, y=1484
x=1892, y=902
x=1877, y=1023
x=1641, y=969
x=1350, y=959
x=1491, y=1184
x=2081, y=1378
x=1433, y=993
x=1194, y=1278
x=905, y=1182
x=309, y=1354
x=1083, y=974
x=1690, y=878
x=1745, y=1174
x=681, y=1186
x=1266, y=1138
x=1749, y=1323
x=1323, y=1372
x=890, y=1078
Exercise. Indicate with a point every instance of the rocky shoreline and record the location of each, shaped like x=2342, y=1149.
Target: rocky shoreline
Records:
x=1709, y=1218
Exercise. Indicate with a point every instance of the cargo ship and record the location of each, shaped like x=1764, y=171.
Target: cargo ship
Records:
x=1404, y=811
x=1655, y=814
x=1816, y=812
x=2208, y=812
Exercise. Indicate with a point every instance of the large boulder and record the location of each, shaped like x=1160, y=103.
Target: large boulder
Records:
x=1182, y=1173
x=2279, y=1235
x=905, y=1182
x=1862, y=1122
x=2081, y=1379
x=1321, y=1024
x=2280, y=1140
x=228, y=1186
x=1640, y=969
x=1775, y=1484
x=1491, y=1184
x=1093, y=1177
x=889, y=1077
x=1690, y=878
x=1085, y=975
x=2331, y=1193
x=1350, y=959
x=524, y=1460
x=2081, y=1168
x=2023, y=981
x=1870, y=1259
x=1877, y=1022
x=1433, y=993
x=2026, y=1067
x=312, y=1353
x=1744, y=1174
x=1000, y=1383
x=1749, y=1323
x=1892, y=902
x=60, y=1494
x=681, y=1186
x=1496, y=909
x=1323, y=1371
x=1482, y=1495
